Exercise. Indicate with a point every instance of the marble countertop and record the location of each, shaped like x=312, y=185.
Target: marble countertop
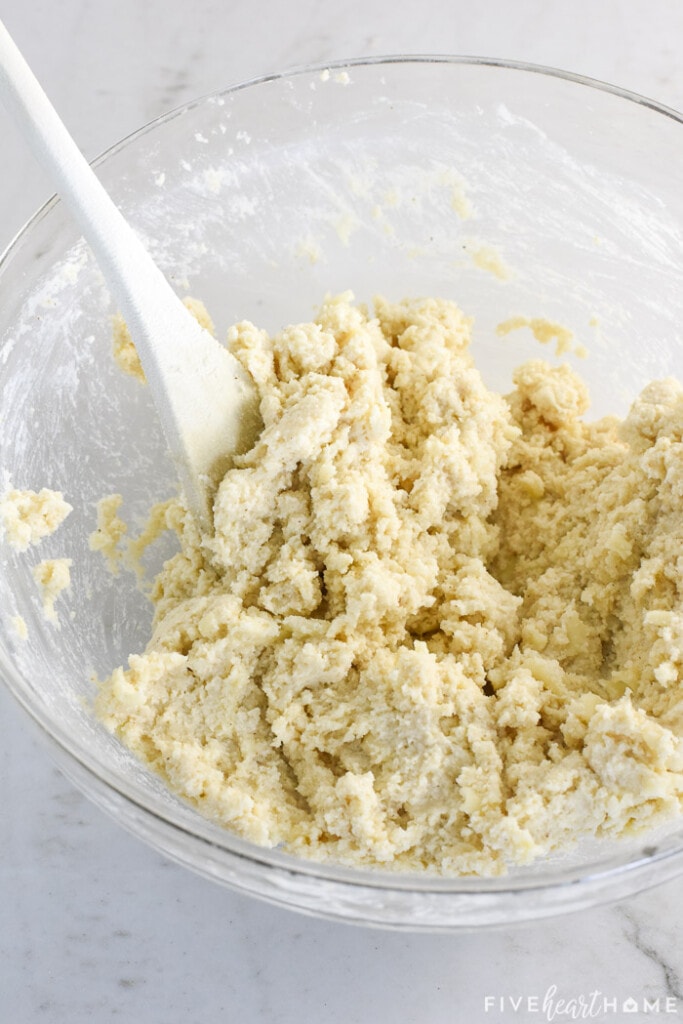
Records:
x=95, y=926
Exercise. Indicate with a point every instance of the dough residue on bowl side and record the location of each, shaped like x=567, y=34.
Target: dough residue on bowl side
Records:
x=53, y=576
x=29, y=516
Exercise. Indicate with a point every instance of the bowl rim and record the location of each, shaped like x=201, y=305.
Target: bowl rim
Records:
x=547, y=883
x=343, y=64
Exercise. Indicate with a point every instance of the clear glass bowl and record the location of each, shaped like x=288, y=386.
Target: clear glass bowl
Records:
x=401, y=176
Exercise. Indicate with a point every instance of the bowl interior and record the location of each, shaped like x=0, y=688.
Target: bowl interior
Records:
x=512, y=191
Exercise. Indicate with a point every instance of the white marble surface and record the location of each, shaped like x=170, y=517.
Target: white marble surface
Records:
x=93, y=925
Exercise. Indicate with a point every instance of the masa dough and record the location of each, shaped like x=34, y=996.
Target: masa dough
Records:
x=28, y=516
x=434, y=629
x=53, y=575
x=110, y=531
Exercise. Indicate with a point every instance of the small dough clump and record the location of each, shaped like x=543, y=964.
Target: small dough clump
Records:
x=53, y=575
x=110, y=532
x=29, y=516
x=435, y=629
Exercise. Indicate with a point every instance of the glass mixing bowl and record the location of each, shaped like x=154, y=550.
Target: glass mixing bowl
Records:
x=511, y=189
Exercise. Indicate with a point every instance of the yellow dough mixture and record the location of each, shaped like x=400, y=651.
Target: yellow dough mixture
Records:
x=29, y=516
x=435, y=628
x=53, y=575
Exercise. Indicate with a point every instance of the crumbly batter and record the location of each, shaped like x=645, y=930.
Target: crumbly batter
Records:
x=111, y=530
x=435, y=628
x=29, y=516
x=53, y=575
x=544, y=331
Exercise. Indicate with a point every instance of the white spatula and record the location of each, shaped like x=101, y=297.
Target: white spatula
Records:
x=206, y=403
